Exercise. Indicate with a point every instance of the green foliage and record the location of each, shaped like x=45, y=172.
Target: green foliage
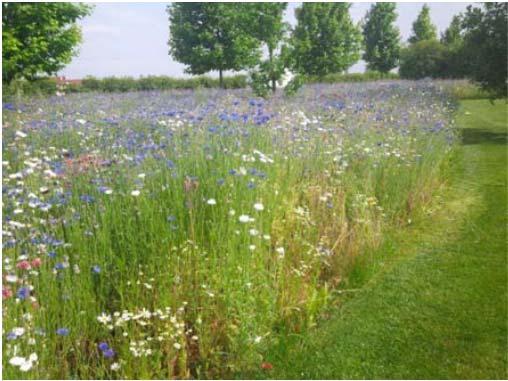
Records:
x=259, y=81
x=21, y=87
x=453, y=34
x=270, y=30
x=485, y=46
x=115, y=84
x=294, y=85
x=325, y=39
x=423, y=59
x=423, y=29
x=48, y=86
x=353, y=77
x=212, y=36
x=39, y=38
x=381, y=37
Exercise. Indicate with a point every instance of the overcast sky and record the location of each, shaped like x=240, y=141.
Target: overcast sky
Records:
x=130, y=39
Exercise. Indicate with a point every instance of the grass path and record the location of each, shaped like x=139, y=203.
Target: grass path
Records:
x=441, y=310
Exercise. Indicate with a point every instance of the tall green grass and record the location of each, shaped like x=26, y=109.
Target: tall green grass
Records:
x=220, y=261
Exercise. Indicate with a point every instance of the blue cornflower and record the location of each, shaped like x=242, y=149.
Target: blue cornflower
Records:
x=11, y=336
x=108, y=353
x=103, y=346
x=51, y=254
x=59, y=266
x=23, y=293
x=87, y=198
x=62, y=331
x=96, y=269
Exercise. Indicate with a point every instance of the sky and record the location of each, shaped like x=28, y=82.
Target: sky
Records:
x=130, y=39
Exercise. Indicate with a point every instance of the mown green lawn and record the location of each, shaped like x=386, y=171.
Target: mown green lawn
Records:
x=439, y=310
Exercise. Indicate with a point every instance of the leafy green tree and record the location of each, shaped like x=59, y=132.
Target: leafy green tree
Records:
x=39, y=38
x=270, y=30
x=423, y=29
x=453, y=41
x=381, y=37
x=423, y=59
x=453, y=34
x=325, y=40
x=212, y=36
x=485, y=46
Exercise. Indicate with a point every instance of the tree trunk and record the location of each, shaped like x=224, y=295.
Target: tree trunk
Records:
x=221, y=79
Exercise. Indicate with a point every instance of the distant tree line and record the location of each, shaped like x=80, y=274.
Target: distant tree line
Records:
x=325, y=40
x=40, y=38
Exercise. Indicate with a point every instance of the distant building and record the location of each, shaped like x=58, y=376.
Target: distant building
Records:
x=64, y=81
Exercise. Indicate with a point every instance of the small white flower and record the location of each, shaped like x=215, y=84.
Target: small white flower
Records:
x=21, y=134
x=17, y=361
x=81, y=121
x=257, y=339
x=280, y=251
x=18, y=331
x=108, y=191
x=177, y=346
x=259, y=207
x=253, y=232
x=104, y=318
x=115, y=366
x=135, y=193
x=11, y=278
x=142, y=175
x=252, y=247
x=211, y=201
x=231, y=212
x=244, y=219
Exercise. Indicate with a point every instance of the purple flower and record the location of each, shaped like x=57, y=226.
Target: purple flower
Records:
x=23, y=293
x=62, y=331
x=96, y=269
x=108, y=353
x=103, y=346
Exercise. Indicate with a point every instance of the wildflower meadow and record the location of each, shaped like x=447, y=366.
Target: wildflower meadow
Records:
x=175, y=234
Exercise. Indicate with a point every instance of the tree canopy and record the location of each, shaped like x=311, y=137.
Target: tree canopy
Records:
x=423, y=29
x=325, y=39
x=39, y=38
x=485, y=45
x=381, y=37
x=270, y=29
x=213, y=36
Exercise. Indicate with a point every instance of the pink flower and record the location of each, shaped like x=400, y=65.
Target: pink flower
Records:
x=36, y=262
x=23, y=265
x=6, y=292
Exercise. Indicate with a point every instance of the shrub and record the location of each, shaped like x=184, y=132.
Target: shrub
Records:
x=423, y=59
x=294, y=85
x=353, y=77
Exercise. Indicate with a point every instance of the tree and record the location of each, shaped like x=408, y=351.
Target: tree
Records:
x=39, y=38
x=453, y=34
x=325, y=40
x=423, y=29
x=423, y=59
x=212, y=36
x=270, y=30
x=381, y=37
x=452, y=39
x=485, y=46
